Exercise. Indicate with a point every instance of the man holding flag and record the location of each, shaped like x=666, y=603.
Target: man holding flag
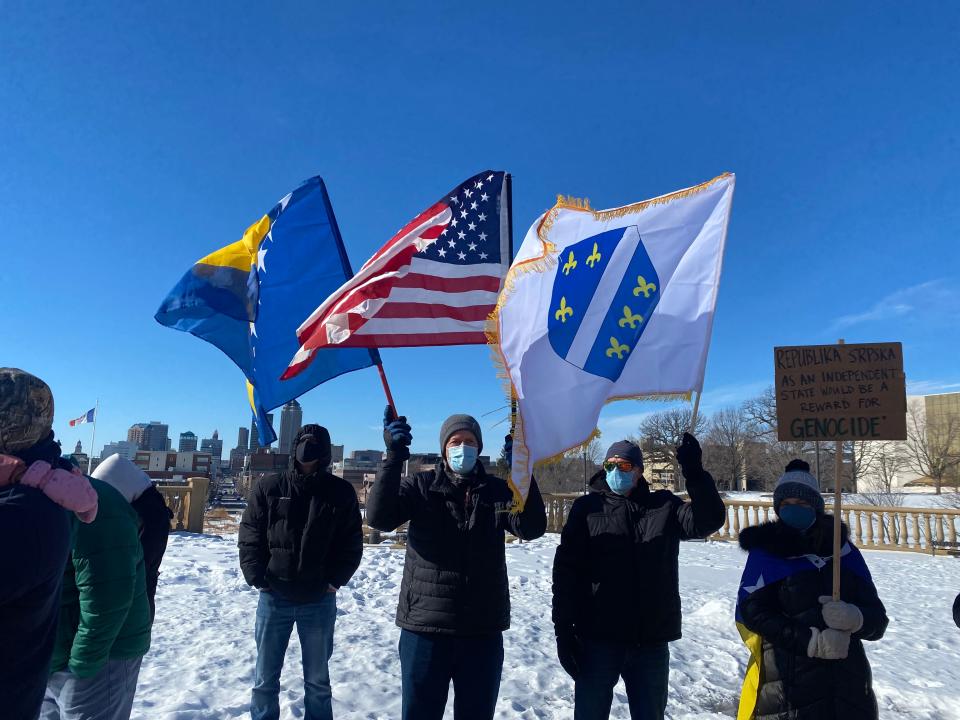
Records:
x=616, y=599
x=454, y=597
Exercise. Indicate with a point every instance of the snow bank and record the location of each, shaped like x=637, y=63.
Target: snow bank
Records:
x=201, y=664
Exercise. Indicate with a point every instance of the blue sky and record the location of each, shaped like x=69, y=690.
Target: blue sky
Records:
x=135, y=140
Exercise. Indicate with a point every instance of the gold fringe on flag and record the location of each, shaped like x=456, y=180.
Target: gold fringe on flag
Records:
x=546, y=260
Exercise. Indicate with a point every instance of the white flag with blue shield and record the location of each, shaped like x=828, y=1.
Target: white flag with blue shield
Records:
x=607, y=305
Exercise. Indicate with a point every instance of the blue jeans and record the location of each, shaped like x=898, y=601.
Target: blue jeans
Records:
x=645, y=670
x=428, y=662
x=108, y=695
x=275, y=620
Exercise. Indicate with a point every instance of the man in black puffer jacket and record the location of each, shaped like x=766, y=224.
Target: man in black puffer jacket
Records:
x=616, y=598
x=454, y=598
x=807, y=650
x=300, y=539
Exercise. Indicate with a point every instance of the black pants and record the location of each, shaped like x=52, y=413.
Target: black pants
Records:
x=428, y=662
x=645, y=670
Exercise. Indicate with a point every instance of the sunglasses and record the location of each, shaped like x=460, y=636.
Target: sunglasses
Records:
x=624, y=465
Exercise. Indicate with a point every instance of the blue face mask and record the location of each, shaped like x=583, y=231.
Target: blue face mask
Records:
x=800, y=517
x=462, y=458
x=620, y=481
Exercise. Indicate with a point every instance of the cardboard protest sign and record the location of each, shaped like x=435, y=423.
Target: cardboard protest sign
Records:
x=841, y=392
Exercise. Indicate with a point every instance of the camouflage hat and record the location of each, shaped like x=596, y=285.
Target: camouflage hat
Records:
x=26, y=410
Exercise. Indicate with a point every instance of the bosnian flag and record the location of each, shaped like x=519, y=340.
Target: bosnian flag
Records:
x=87, y=417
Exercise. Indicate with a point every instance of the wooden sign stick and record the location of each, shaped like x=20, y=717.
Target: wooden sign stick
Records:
x=837, y=503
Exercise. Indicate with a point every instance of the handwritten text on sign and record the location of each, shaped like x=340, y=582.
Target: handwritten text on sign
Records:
x=841, y=392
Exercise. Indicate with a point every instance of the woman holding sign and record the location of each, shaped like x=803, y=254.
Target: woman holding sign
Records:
x=807, y=658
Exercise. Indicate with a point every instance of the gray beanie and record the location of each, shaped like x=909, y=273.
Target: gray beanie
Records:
x=797, y=482
x=455, y=423
x=26, y=410
x=626, y=450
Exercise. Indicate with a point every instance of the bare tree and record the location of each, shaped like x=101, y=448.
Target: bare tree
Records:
x=933, y=446
x=862, y=456
x=727, y=441
x=662, y=433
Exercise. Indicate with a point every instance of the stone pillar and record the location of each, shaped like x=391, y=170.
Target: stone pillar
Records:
x=199, y=490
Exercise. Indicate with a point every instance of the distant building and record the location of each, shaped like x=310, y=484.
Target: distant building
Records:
x=136, y=435
x=149, y=436
x=80, y=456
x=336, y=454
x=367, y=456
x=291, y=420
x=237, y=456
x=267, y=461
x=123, y=448
x=188, y=442
x=165, y=465
x=213, y=445
x=243, y=439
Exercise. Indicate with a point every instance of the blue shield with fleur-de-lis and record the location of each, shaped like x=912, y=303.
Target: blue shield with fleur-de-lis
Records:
x=604, y=294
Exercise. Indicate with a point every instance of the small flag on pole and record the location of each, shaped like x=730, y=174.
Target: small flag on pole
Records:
x=434, y=283
x=88, y=417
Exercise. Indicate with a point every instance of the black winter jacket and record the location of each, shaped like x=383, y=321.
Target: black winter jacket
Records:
x=794, y=686
x=455, y=573
x=155, y=519
x=300, y=534
x=35, y=537
x=615, y=573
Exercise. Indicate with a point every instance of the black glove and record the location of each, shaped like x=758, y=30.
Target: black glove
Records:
x=690, y=456
x=508, y=450
x=396, y=434
x=569, y=651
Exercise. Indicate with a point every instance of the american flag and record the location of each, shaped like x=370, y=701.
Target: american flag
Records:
x=434, y=283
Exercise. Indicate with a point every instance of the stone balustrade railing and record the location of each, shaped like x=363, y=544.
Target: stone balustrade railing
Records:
x=871, y=527
x=187, y=501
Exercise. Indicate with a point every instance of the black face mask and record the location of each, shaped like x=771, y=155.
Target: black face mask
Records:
x=309, y=451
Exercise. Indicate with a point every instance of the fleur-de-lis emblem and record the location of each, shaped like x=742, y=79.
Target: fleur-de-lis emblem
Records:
x=594, y=256
x=644, y=287
x=564, y=312
x=629, y=318
x=616, y=348
x=570, y=265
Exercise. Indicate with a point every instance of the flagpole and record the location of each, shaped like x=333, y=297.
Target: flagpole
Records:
x=696, y=410
x=837, y=510
x=93, y=436
x=386, y=389
x=348, y=271
x=508, y=191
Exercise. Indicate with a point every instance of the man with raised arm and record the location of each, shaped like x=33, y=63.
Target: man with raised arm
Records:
x=454, y=598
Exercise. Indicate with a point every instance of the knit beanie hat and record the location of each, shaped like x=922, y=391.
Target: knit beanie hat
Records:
x=455, y=423
x=797, y=482
x=123, y=476
x=26, y=410
x=626, y=450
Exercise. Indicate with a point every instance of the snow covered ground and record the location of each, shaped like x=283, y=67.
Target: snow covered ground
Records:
x=201, y=664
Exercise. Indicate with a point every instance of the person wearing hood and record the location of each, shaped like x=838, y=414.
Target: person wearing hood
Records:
x=454, y=597
x=807, y=658
x=616, y=598
x=138, y=489
x=301, y=539
x=35, y=534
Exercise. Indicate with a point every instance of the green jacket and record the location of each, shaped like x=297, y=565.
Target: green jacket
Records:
x=104, y=612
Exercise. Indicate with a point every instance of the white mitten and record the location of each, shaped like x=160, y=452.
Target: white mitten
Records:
x=828, y=644
x=840, y=615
